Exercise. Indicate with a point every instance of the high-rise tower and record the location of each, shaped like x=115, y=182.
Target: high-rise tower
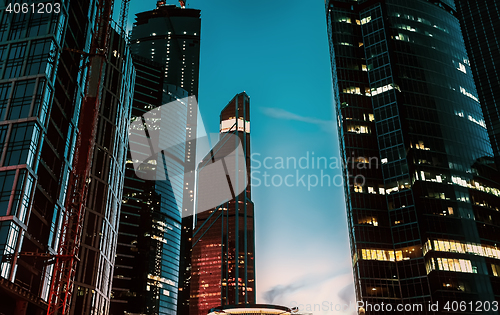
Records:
x=222, y=263
x=170, y=35
x=43, y=57
x=422, y=195
x=100, y=227
x=165, y=44
x=481, y=30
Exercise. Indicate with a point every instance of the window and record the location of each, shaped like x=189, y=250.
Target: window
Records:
x=469, y=94
x=38, y=25
x=20, y=105
x=368, y=220
x=4, y=98
x=3, y=132
x=9, y=232
x=457, y=265
x=496, y=270
x=41, y=56
x=42, y=99
x=6, y=182
x=3, y=52
x=22, y=197
x=420, y=145
x=22, y=144
x=18, y=26
x=4, y=25
x=352, y=90
x=358, y=188
x=381, y=254
x=358, y=129
x=366, y=20
x=454, y=246
x=15, y=60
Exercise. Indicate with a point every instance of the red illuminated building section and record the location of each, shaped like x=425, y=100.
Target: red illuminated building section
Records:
x=223, y=266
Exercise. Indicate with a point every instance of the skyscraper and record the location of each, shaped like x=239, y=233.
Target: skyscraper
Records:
x=165, y=44
x=170, y=35
x=42, y=85
x=480, y=26
x=421, y=192
x=100, y=227
x=145, y=276
x=222, y=261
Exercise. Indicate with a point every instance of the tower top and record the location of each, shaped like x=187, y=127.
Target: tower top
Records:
x=161, y=3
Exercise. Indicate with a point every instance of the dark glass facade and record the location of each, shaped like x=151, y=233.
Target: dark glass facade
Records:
x=145, y=279
x=222, y=261
x=421, y=192
x=100, y=226
x=40, y=95
x=42, y=85
x=480, y=26
x=170, y=37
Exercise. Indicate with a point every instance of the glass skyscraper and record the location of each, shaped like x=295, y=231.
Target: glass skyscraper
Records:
x=42, y=85
x=100, y=227
x=148, y=249
x=421, y=189
x=222, y=261
x=165, y=47
x=481, y=29
x=170, y=35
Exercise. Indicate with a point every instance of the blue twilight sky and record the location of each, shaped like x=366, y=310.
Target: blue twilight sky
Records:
x=277, y=51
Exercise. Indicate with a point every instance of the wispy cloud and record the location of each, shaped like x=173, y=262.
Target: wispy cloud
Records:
x=346, y=294
x=325, y=125
x=277, y=292
x=318, y=293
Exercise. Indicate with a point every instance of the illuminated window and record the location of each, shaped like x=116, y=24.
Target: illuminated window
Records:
x=383, y=89
x=496, y=270
x=469, y=94
x=358, y=129
x=454, y=246
x=358, y=188
x=380, y=254
x=457, y=265
x=366, y=20
x=369, y=220
x=352, y=90
x=420, y=145
x=228, y=124
x=461, y=67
